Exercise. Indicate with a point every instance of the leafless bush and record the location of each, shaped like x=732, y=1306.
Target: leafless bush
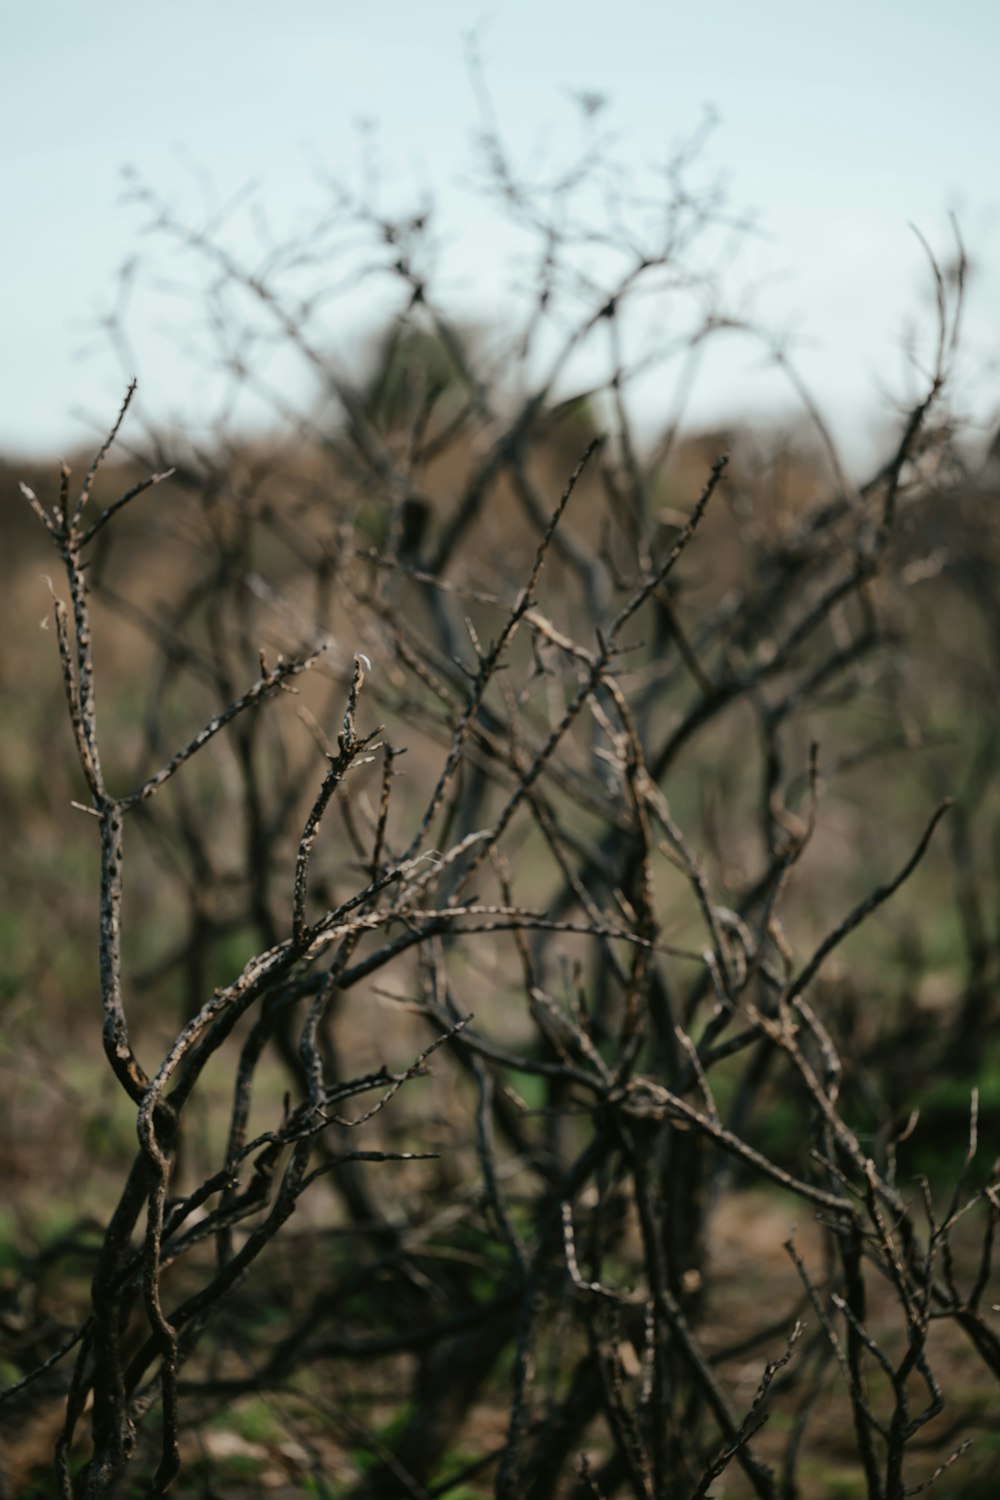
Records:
x=521, y=1020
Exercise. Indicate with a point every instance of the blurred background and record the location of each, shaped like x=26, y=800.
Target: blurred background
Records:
x=833, y=133
x=382, y=274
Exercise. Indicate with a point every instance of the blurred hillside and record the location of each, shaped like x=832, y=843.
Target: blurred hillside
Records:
x=918, y=721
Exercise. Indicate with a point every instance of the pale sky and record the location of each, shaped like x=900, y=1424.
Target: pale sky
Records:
x=838, y=126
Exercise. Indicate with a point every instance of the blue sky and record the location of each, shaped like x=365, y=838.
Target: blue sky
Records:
x=839, y=126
